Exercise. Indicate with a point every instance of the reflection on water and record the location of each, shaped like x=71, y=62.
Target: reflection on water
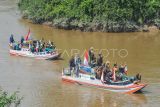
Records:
x=40, y=81
x=94, y=98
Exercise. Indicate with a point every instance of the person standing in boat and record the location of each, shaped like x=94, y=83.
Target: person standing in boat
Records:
x=72, y=64
x=77, y=60
x=93, y=61
x=91, y=54
x=99, y=59
x=11, y=40
x=22, y=39
x=99, y=64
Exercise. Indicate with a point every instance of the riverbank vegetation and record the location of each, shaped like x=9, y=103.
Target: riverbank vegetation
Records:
x=9, y=100
x=93, y=15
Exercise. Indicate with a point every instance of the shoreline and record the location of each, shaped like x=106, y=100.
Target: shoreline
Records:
x=96, y=27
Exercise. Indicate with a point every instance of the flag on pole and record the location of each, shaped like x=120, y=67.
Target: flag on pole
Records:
x=86, y=58
x=28, y=35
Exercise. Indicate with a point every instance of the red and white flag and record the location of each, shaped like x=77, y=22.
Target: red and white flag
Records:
x=86, y=58
x=28, y=35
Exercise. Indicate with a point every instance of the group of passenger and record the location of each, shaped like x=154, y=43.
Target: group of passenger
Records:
x=93, y=61
x=13, y=44
x=102, y=70
x=32, y=45
x=41, y=46
x=108, y=73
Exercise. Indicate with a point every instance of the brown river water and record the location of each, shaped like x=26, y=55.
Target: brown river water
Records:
x=39, y=81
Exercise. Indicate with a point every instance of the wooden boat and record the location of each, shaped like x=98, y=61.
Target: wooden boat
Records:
x=25, y=52
x=85, y=79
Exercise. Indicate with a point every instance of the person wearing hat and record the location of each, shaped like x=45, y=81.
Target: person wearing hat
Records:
x=107, y=74
x=107, y=66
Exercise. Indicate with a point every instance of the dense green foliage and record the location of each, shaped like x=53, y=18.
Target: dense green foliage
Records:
x=106, y=12
x=7, y=100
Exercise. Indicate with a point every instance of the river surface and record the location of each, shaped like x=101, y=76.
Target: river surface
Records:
x=39, y=81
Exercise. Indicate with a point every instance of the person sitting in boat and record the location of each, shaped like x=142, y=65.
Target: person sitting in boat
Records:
x=106, y=73
x=17, y=46
x=72, y=63
x=77, y=60
x=106, y=66
x=48, y=47
x=32, y=48
x=99, y=59
x=37, y=46
x=98, y=72
x=114, y=70
x=122, y=72
x=43, y=46
x=119, y=73
x=122, y=69
x=108, y=77
x=41, y=41
x=52, y=46
x=49, y=44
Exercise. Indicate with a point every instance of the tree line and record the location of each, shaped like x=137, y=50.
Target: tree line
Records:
x=105, y=12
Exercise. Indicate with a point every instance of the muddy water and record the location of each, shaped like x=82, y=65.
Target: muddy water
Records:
x=39, y=81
